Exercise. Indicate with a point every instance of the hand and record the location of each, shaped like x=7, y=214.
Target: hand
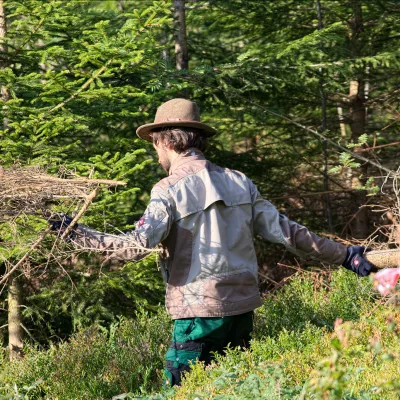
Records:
x=355, y=261
x=59, y=225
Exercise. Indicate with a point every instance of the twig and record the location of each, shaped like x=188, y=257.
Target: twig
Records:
x=29, y=189
x=24, y=258
x=86, y=204
x=380, y=302
x=108, y=182
x=377, y=147
x=30, y=335
x=299, y=269
x=268, y=278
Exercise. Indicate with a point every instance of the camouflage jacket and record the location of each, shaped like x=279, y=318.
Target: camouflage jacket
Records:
x=206, y=217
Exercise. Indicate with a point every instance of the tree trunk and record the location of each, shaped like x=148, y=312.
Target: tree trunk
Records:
x=3, y=34
x=341, y=122
x=181, y=51
x=164, y=42
x=15, y=332
x=323, y=95
x=5, y=92
x=357, y=124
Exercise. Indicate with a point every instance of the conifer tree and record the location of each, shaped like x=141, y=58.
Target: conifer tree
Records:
x=83, y=75
x=78, y=82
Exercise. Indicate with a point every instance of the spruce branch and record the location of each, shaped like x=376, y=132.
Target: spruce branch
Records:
x=83, y=87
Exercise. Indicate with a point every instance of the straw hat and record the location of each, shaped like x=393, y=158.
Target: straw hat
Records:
x=176, y=112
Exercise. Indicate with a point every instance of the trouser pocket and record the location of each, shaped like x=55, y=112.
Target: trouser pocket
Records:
x=179, y=357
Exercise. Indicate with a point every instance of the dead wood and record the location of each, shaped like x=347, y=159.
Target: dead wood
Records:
x=384, y=258
x=31, y=190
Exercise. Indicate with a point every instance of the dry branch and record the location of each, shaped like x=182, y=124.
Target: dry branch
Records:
x=31, y=190
x=25, y=257
x=86, y=204
x=384, y=258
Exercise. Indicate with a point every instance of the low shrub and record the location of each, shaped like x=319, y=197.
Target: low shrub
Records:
x=359, y=360
x=96, y=363
x=311, y=298
x=300, y=352
x=315, y=339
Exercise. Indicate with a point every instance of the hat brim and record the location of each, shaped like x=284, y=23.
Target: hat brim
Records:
x=144, y=131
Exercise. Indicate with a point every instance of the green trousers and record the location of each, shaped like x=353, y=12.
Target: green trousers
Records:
x=198, y=338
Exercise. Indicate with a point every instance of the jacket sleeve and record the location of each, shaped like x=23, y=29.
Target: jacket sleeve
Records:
x=277, y=228
x=151, y=229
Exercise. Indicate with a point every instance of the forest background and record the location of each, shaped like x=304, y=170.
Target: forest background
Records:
x=305, y=96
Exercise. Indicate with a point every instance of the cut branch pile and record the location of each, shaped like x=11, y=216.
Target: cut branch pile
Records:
x=32, y=191
x=382, y=256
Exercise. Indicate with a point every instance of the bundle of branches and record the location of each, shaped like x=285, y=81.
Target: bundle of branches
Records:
x=386, y=254
x=31, y=190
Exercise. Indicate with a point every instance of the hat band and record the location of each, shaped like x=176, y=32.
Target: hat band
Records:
x=175, y=120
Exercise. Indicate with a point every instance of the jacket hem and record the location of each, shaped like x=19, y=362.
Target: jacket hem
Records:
x=223, y=310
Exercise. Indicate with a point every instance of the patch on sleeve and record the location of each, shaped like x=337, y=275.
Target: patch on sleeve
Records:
x=152, y=217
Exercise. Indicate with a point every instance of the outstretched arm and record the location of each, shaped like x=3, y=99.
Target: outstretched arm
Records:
x=277, y=228
x=151, y=229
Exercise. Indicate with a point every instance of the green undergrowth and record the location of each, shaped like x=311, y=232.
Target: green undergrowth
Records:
x=315, y=339
x=359, y=360
x=96, y=363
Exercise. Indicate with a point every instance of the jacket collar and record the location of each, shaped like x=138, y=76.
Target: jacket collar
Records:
x=187, y=156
